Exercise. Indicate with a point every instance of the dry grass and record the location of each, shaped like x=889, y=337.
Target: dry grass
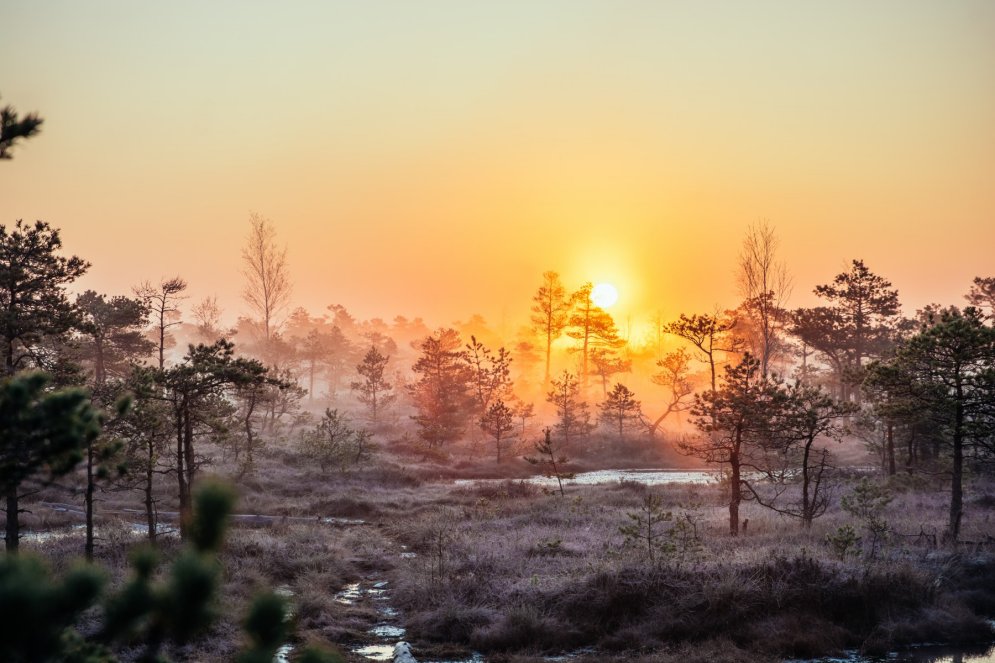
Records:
x=506, y=569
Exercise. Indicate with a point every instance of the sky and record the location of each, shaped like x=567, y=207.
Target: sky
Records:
x=434, y=158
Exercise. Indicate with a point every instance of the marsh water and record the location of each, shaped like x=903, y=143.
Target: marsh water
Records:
x=651, y=477
x=924, y=654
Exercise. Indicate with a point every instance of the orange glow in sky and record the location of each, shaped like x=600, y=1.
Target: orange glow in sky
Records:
x=435, y=158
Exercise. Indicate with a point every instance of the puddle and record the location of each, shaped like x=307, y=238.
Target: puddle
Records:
x=283, y=654
x=349, y=594
x=387, y=631
x=328, y=520
x=376, y=652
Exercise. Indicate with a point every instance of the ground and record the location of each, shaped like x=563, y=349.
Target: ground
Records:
x=505, y=568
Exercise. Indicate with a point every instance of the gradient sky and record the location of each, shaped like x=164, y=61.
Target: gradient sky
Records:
x=434, y=158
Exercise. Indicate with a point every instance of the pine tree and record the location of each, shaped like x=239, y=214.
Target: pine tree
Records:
x=592, y=326
x=42, y=429
x=442, y=393
x=14, y=128
x=549, y=314
x=374, y=391
x=34, y=309
x=498, y=422
x=573, y=418
x=738, y=422
x=620, y=410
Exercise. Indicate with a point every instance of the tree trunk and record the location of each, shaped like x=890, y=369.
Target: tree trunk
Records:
x=181, y=477
x=806, y=499
x=249, y=440
x=88, y=548
x=188, y=462
x=549, y=352
x=735, y=494
x=162, y=337
x=310, y=385
x=891, y=449
x=149, y=502
x=12, y=535
x=957, y=470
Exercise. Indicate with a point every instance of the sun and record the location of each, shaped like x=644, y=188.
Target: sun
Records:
x=604, y=295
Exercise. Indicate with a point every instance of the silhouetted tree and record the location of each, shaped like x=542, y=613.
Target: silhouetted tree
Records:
x=111, y=335
x=738, y=422
x=42, y=429
x=800, y=416
x=34, y=308
x=442, y=394
x=498, y=422
x=196, y=389
x=146, y=428
x=267, y=275
x=374, y=390
x=551, y=460
x=523, y=412
x=573, y=418
x=607, y=363
x=858, y=324
x=207, y=314
x=674, y=375
x=952, y=366
x=765, y=286
x=550, y=309
x=620, y=410
x=982, y=294
x=14, y=128
x=710, y=334
x=490, y=374
x=592, y=326
x=163, y=301
x=254, y=388
x=33, y=303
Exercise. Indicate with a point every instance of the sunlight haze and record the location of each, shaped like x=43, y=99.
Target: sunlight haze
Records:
x=433, y=159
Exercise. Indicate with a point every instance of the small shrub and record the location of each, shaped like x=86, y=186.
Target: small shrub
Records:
x=844, y=542
x=867, y=502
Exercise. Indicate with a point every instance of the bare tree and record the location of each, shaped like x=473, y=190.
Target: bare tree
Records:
x=267, y=288
x=163, y=303
x=765, y=286
x=208, y=316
